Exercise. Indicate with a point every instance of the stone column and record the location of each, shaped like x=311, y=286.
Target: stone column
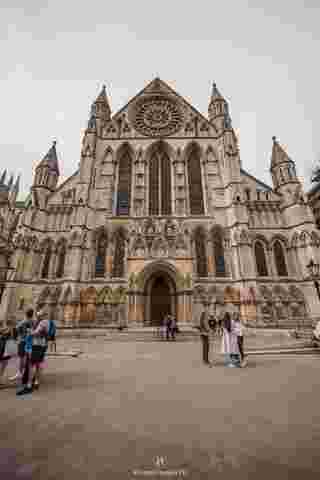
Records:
x=236, y=260
x=53, y=264
x=73, y=266
x=270, y=262
x=139, y=308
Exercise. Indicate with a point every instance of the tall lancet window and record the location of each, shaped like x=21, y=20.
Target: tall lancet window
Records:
x=261, y=262
x=61, y=260
x=119, y=255
x=160, y=183
x=154, y=182
x=124, y=184
x=279, y=259
x=46, y=262
x=101, y=250
x=218, y=251
x=201, y=257
x=195, y=182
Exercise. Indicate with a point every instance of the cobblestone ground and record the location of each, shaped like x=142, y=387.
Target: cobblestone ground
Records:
x=112, y=411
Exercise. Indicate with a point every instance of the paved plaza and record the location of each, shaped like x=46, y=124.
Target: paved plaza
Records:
x=152, y=410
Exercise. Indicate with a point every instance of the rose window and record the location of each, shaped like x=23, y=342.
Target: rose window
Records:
x=157, y=116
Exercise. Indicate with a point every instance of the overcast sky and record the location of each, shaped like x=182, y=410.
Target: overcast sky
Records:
x=55, y=55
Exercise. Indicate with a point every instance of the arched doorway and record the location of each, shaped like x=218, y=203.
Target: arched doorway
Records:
x=160, y=298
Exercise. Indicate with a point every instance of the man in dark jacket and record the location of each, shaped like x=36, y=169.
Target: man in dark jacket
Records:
x=204, y=334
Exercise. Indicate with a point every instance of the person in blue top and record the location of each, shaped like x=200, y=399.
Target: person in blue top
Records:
x=35, y=349
x=22, y=329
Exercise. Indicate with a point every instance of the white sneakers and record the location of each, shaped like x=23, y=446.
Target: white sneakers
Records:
x=15, y=377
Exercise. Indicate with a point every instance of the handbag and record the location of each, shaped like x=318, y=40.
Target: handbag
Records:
x=2, y=346
x=11, y=348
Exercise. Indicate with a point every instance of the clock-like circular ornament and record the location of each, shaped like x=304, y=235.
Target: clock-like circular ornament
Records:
x=157, y=116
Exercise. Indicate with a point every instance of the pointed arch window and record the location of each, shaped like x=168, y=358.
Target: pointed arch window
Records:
x=119, y=256
x=218, y=251
x=279, y=259
x=46, y=262
x=61, y=261
x=201, y=257
x=261, y=262
x=100, y=265
x=160, y=183
x=124, y=184
x=195, y=183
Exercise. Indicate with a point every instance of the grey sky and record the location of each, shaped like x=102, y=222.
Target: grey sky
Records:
x=264, y=56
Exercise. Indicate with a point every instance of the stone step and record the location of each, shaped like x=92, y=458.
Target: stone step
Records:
x=285, y=351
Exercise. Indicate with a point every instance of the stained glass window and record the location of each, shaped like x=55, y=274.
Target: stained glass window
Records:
x=101, y=256
x=160, y=183
x=165, y=185
x=61, y=261
x=220, y=269
x=195, y=183
x=201, y=257
x=119, y=254
x=279, y=259
x=154, y=185
x=46, y=263
x=261, y=263
x=124, y=184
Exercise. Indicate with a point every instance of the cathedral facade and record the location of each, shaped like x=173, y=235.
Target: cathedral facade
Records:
x=159, y=218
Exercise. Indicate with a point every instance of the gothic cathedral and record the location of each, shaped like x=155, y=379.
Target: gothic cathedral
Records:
x=159, y=218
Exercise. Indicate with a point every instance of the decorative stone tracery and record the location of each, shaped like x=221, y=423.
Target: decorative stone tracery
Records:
x=157, y=116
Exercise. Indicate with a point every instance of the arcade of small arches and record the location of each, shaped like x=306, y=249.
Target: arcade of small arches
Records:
x=107, y=252
x=159, y=295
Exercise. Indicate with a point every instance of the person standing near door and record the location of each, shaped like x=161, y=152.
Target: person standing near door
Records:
x=204, y=334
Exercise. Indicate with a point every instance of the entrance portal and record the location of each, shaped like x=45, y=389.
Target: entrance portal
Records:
x=160, y=299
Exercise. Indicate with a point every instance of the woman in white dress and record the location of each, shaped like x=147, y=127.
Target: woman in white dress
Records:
x=230, y=342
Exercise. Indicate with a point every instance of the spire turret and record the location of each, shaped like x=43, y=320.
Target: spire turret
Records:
x=15, y=191
x=50, y=160
x=218, y=110
x=3, y=177
x=100, y=111
x=10, y=183
x=282, y=168
x=47, y=172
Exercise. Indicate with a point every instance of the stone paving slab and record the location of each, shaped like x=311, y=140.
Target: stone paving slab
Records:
x=120, y=410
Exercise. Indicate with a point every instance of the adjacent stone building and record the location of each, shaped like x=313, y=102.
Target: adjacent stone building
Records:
x=159, y=217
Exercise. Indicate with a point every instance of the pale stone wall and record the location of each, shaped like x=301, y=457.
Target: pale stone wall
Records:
x=86, y=203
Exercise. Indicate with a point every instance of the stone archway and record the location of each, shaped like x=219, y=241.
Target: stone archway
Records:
x=160, y=293
x=160, y=297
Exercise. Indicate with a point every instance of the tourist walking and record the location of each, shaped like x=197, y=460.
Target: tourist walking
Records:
x=238, y=329
x=205, y=334
x=229, y=341
x=35, y=348
x=168, y=326
x=173, y=327
x=22, y=329
x=7, y=351
x=39, y=346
